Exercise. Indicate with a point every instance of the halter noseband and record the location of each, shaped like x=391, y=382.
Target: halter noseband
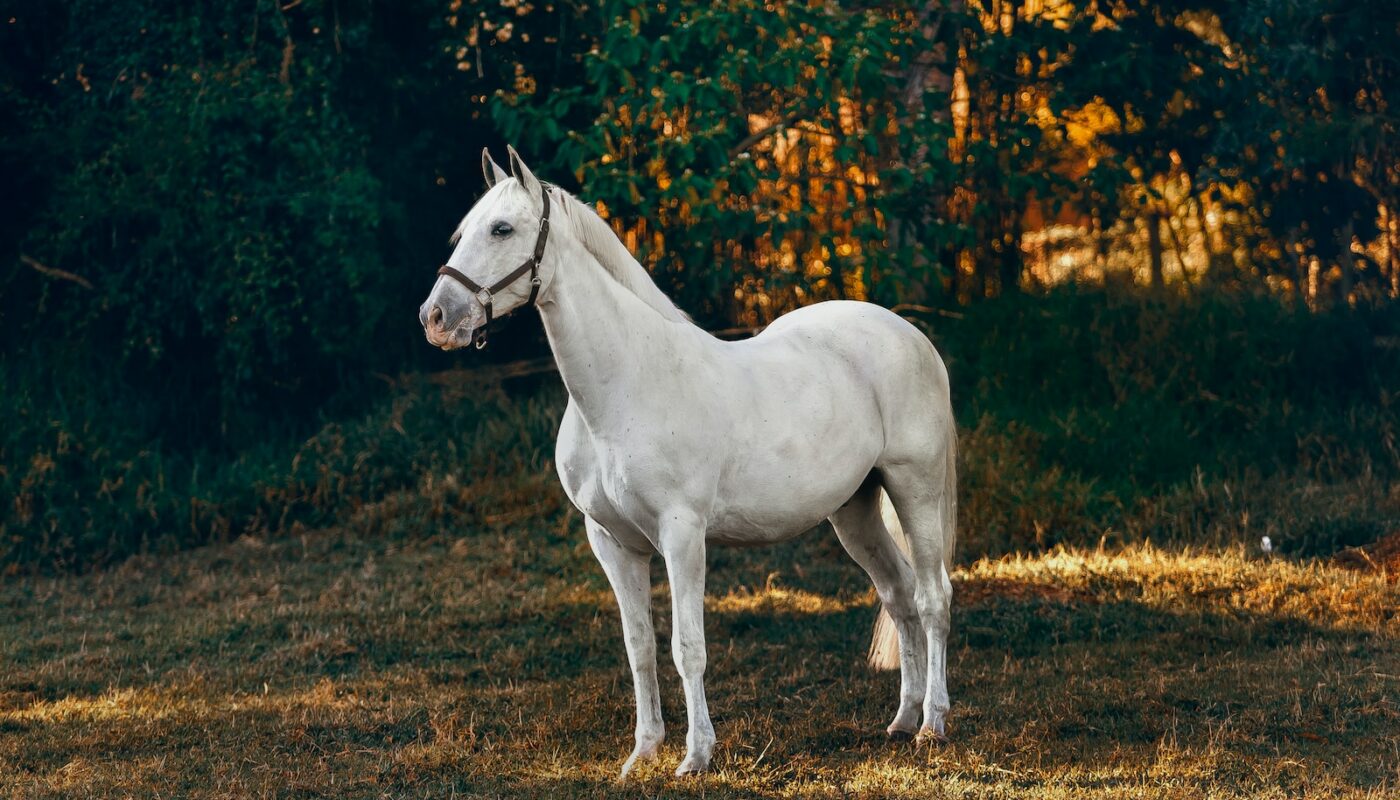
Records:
x=531, y=265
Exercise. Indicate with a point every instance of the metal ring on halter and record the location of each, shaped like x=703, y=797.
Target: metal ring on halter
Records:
x=483, y=297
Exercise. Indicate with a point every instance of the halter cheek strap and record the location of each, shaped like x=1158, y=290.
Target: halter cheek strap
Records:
x=531, y=265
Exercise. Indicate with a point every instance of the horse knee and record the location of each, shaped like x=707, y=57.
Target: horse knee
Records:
x=689, y=656
x=642, y=643
x=934, y=610
x=901, y=609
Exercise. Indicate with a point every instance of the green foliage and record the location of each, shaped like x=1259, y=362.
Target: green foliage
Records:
x=225, y=219
x=1131, y=389
x=668, y=99
x=1317, y=137
x=255, y=194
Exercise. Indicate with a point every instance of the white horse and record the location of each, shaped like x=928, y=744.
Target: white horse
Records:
x=674, y=440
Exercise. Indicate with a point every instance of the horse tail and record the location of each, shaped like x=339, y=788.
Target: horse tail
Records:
x=884, y=644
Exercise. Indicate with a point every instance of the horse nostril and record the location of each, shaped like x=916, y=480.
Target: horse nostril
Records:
x=435, y=317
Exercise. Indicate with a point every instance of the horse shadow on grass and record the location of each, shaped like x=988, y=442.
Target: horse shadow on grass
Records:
x=1045, y=682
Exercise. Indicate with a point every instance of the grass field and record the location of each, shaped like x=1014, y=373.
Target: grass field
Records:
x=417, y=651
x=397, y=601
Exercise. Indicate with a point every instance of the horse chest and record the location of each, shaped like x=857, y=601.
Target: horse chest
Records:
x=597, y=481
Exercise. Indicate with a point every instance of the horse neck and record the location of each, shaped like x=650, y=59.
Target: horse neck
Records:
x=605, y=339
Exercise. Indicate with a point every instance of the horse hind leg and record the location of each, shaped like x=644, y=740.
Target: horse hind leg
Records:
x=863, y=533
x=925, y=497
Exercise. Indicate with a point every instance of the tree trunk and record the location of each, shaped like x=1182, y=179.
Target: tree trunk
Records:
x=931, y=69
x=1347, y=262
x=1392, y=244
x=976, y=278
x=1207, y=241
x=1101, y=245
x=1154, y=248
x=1300, y=271
x=1010, y=262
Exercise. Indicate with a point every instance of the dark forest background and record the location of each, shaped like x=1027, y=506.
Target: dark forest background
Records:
x=1156, y=241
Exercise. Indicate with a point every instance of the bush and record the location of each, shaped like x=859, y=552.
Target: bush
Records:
x=90, y=483
x=254, y=196
x=1174, y=419
x=1137, y=391
x=1087, y=415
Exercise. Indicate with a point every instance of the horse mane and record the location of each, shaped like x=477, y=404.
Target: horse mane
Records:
x=599, y=239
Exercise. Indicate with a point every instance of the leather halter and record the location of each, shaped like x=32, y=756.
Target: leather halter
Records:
x=531, y=265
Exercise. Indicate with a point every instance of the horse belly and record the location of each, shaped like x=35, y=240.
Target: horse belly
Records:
x=763, y=512
x=784, y=485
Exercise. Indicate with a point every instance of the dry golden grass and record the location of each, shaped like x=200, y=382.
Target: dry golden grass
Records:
x=486, y=660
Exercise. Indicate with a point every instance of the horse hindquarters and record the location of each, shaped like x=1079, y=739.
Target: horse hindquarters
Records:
x=884, y=642
x=918, y=472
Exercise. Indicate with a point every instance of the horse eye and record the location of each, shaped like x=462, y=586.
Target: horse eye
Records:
x=502, y=229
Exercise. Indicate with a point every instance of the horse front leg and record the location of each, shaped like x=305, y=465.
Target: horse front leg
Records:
x=683, y=547
x=629, y=572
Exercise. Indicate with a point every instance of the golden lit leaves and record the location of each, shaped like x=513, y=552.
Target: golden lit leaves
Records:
x=737, y=144
x=1090, y=121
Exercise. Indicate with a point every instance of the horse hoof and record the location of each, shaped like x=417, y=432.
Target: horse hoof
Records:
x=692, y=765
x=627, y=769
x=641, y=753
x=933, y=737
x=899, y=734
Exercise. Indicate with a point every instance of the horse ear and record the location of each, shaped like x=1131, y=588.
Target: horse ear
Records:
x=493, y=172
x=522, y=173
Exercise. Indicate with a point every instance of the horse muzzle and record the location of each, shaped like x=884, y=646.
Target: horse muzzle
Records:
x=449, y=335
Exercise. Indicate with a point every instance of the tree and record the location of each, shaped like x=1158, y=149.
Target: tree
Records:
x=1318, y=139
